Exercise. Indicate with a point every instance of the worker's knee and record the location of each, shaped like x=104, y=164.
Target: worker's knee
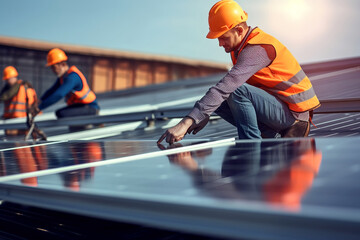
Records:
x=242, y=92
x=239, y=96
x=73, y=111
x=60, y=113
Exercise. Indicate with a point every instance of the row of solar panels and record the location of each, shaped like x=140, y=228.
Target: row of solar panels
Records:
x=210, y=186
x=281, y=189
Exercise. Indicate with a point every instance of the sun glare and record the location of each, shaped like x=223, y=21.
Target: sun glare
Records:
x=297, y=20
x=296, y=9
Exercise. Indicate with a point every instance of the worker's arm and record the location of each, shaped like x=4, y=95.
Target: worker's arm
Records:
x=71, y=82
x=251, y=60
x=50, y=90
x=9, y=92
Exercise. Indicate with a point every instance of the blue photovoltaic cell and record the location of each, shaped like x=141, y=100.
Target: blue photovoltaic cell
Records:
x=274, y=173
x=42, y=157
x=280, y=189
x=307, y=177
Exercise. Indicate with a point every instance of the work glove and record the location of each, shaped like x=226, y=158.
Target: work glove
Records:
x=34, y=110
x=195, y=128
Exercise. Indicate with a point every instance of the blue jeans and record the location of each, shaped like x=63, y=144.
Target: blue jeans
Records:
x=255, y=113
x=76, y=110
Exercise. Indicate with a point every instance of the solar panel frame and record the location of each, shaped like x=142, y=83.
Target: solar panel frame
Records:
x=209, y=216
x=335, y=220
x=195, y=218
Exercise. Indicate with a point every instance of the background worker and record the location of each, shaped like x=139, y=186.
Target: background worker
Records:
x=266, y=93
x=18, y=96
x=72, y=85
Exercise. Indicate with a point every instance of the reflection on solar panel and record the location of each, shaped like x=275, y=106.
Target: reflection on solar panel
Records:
x=60, y=156
x=209, y=184
x=230, y=189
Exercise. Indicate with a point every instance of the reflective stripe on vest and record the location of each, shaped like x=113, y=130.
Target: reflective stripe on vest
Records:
x=85, y=95
x=284, y=77
x=16, y=106
x=12, y=111
x=20, y=103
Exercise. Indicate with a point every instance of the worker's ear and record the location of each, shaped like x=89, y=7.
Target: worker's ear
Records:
x=239, y=30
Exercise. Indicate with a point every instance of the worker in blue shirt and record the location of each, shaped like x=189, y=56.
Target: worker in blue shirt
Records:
x=72, y=85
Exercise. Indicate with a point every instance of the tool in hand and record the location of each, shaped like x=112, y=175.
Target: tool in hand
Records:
x=34, y=131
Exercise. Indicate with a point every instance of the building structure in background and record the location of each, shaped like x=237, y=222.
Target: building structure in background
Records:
x=106, y=70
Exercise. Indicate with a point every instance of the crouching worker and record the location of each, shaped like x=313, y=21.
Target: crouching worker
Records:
x=18, y=97
x=265, y=94
x=71, y=85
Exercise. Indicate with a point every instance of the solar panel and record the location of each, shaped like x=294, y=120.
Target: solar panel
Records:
x=61, y=156
x=273, y=189
x=246, y=189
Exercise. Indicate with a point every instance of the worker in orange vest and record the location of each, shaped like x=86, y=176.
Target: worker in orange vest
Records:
x=265, y=94
x=71, y=85
x=18, y=97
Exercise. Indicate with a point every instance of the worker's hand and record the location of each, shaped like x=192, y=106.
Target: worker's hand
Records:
x=34, y=110
x=177, y=132
x=195, y=128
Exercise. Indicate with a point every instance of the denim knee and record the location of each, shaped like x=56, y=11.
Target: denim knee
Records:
x=59, y=113
x=239, y=96
x=242, y=91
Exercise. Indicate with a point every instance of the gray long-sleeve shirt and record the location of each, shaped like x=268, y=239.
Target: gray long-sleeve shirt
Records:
x=252, y=59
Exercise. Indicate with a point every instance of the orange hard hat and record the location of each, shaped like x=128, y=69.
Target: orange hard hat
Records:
x=9, y=72
x=223, y=16
x=56, y=55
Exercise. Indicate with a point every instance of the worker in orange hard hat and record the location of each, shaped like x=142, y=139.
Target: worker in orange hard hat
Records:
x=72, y=85
x=18, y=96
x=265, y=94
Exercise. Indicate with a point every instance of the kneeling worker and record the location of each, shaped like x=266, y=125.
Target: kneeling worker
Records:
x=266, y=93
x=18, y=96
x=72, y=85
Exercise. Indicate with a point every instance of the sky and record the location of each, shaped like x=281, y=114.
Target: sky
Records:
x=313, y=30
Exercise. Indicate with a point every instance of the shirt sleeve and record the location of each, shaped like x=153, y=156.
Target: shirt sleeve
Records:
x=252, y=59
x=50, y=90
x=71, y=82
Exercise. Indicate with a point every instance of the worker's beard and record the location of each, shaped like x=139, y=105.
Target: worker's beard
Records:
x=60, y=74
x=228, y=49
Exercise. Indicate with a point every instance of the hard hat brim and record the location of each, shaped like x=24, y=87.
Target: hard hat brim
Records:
x=7, y=78
x=213, y=35
x=52, y=63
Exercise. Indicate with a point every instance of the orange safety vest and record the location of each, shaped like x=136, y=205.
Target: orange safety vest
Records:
x=16, y=106
x=85, y=95
x=284, y=77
